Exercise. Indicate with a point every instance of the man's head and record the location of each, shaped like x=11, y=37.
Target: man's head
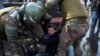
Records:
x=52, y=29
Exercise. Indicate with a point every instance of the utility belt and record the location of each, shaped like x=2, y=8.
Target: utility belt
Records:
x=72, y=24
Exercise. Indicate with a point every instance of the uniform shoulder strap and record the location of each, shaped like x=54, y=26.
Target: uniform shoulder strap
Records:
x=22, y=12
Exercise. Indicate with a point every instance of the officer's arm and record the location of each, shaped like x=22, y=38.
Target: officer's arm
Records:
x=11, y=26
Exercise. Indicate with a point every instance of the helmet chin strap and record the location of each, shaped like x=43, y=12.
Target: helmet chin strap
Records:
x=31, y=19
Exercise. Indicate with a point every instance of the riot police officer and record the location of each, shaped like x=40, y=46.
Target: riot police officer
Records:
x=74, y=18
x=30, y=12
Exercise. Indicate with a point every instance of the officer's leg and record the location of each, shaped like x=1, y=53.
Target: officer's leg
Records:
x=77, y=48
x=78, y=30
x=64, y=45
x=65, y=42
x=81, y=31
x=76, y=44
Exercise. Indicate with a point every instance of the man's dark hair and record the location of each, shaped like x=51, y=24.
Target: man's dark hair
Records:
x=56, y=26
x=51, y=25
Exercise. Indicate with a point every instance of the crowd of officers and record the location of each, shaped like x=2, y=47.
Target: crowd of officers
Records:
x=58, y=24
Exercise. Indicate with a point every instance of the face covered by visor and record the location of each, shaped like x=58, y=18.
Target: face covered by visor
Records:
x=34, y=26
x=33, y=13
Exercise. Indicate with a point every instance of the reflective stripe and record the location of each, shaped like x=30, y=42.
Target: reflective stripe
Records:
x=11, y=32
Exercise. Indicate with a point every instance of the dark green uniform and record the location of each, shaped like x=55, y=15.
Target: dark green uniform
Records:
x=75, y=24
x=29, y=12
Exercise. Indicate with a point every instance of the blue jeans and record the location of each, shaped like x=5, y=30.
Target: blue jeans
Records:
x=94, y=18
